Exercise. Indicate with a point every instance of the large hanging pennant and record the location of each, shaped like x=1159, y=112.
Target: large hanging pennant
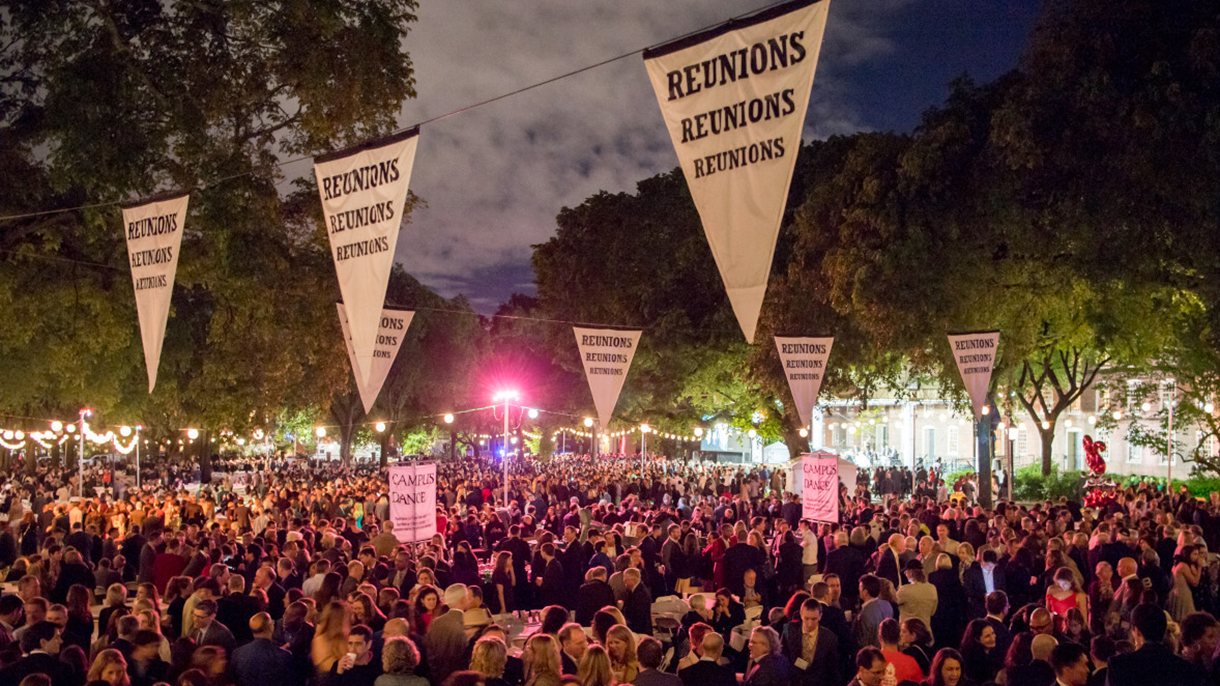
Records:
x=606, y=355
x=153, y=229
x=804, y=362
x=390, y=332
x=363, y=192
x=734, y=100
x=975, y=357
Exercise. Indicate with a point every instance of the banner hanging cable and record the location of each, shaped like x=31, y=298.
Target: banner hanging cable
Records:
x=460, y=110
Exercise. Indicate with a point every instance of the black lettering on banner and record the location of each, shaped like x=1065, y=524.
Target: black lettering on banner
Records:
x=363, y=248
x=387, y=340
x=803, y=348
x=395, y=323
x=152, y=226
x=739, y=157
x=974, y=343
x=606, y=341
x=775, y=53
x=151, y=257
x=739, y=114
x=364, y=178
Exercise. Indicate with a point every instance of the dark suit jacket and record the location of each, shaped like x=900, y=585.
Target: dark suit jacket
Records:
x=566, y=664
x=737, y=559
x=593, y=596
x=823, y=669
x=261, y=663
x=772, y=670
x=637, y=610
x=1153, y=664
x=38, y=663
x=707, y=673
x=1003, y=635
x=887, y=567
x=652, y=677
x=976, y=588
x=1036, y=673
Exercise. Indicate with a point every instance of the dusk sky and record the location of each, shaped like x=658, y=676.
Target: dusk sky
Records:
x=494, y=178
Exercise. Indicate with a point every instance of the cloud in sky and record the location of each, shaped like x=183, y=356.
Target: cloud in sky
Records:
x=495, y=177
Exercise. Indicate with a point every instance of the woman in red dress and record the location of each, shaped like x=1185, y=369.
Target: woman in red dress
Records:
x=1065, y=594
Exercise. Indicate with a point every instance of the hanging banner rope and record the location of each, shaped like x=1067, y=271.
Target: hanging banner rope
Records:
x=804, y=362
x=363, y=192
x=390, y=332
x=975, y=357
x=734, y=100
x=153, y=229
x=606, y=356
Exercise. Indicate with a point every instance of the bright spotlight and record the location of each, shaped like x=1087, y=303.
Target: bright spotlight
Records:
x=124, y=431
x=1209, y=408
x=1092, y=420
x=241, y=441
x=1146, y=406
x=1046, y=424
x=320, y=432
x=533, y=413
x=804, y=433
x=380, y=426
x=698, y=432
x=448, y=417
x=588, y=422
x=70, y=428
x=986, y=409
x=57, y=426
x=1118, y=414
x=192, y=434
x=753, y=433
x=644, y=428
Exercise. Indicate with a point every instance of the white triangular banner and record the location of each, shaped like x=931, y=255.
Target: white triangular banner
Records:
x=154, y=235
x=390, y=332
x=975, y=357
x=363, y=192
x=804, y=362
x=734, y=100
x=606, y=355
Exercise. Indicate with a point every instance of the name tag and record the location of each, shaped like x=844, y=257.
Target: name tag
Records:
x=801, y=664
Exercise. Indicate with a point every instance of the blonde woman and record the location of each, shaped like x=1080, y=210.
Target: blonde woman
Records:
x=965, y=557
x=116, y=597
x=488, y=658
x=151, y=621
x=109, y=667
x=620, y=644
x=542, y=661
x=330, y=638
x=594, y=668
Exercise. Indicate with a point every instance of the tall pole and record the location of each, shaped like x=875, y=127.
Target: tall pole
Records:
x=1169, y=456
x=643, y=449
x=507, y=398
x=137, y=458
x=80, y=464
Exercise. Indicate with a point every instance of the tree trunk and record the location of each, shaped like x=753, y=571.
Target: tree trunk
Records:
x=205, y=459
x=983, y=443
x=385, y=447
x=1048, y=440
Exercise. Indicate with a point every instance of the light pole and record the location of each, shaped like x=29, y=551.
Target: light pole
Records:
x=1173, y=392
x=753, y=434
x=80, y=467
x=592, y=438
x=644, y=429
x=508, y=397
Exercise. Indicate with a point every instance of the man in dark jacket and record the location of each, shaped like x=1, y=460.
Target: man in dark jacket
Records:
x=979, y=579
x=813, y=650
x=707, y=671
x=767, y=667
x=637, y=608
x=261, y=662
x=553, y=583
x=847, y=564
x=737, y=559
x=594, y=594
x=1152, y=662
x=40, y=643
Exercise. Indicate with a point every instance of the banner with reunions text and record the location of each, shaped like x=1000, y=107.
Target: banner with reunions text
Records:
x=804, y=362
x=154, y=234
x=364, y=190
x=975, y=357
x=606, y=356
x=734, y=100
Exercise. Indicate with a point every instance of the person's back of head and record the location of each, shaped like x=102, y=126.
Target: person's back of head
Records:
x=1066, y=656
x=1102, y=648
x=1042, y=646
x=649, y=653
x=997, y=603
x=1149, y=620
x=127, y=626
x=713, y=645
x=466, y=677
x=889, y=631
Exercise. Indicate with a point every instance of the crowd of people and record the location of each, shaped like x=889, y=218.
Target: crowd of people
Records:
x=593, y=572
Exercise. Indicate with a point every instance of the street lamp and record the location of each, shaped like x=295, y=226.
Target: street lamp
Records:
x=320, y=432
x=753, y=434
x=379, y=426
x=644, y=429
x=507, y=397
x=533, y=413
x=448, y=418
x=192, y=434
x=57, y=426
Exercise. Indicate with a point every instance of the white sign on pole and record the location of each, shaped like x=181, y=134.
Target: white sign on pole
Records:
x=975, y=357
x=413, y=501
x=364, y=190
x=804, y=362
x=734, y=100
x=154, y=234
x=606, y=356
x=820, y=487
x=390, y=332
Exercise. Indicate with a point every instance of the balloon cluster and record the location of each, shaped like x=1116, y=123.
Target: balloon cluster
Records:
x=1092, y=452
x=1101, y=491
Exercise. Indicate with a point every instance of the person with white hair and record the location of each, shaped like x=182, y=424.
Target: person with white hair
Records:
x=446, y=639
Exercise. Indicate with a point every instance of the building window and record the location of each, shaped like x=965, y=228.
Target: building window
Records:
x=1135, y=453
x=1023, y=442
x=952, y=438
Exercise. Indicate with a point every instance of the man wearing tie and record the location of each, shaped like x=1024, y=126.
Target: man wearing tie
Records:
x=813, y=652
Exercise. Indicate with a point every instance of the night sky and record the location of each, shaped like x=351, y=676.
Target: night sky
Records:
x=494, y=178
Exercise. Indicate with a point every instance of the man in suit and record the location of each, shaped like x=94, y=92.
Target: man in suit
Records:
x=40, y=643
x=980, y=579
x=265, y=580
x=1071, y=664
x=870, y=667
x=637, y=608
x=707, y=671
x=594, y=594
x=144, y=665
x=553, y=583
x=649, y=653
x=1152, y=662
x=846, y=563
x=261, y=662
x=890, y=562
x=671, y=547
x=10, y=617
x=737, y=559
x=872, y=612
x=446, y=639
x=1130, y=592
x=148, y=555
x=997, y=611
x=767, y=666
x=813, y=649
x=573, y=642
x=207, y=631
